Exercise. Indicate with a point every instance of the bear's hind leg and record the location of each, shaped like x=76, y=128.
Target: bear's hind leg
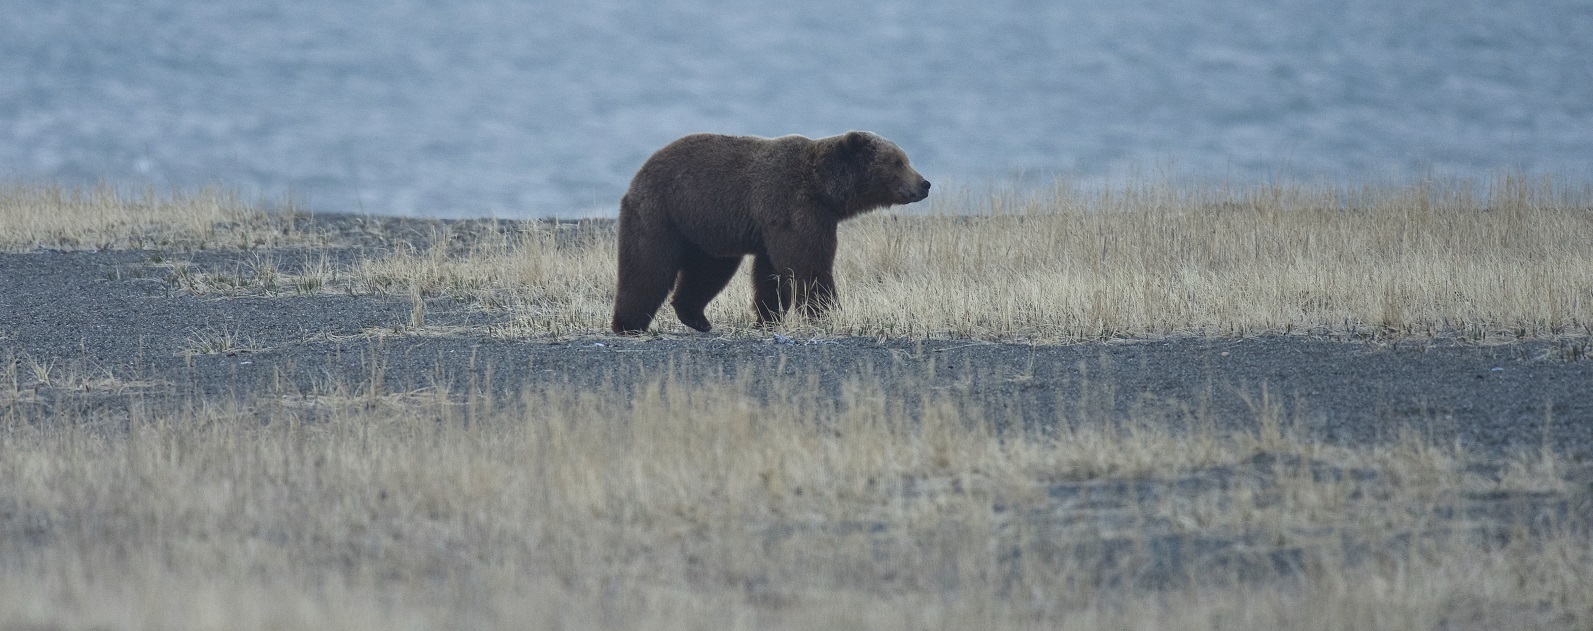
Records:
x=647, y=268
x=701, y=278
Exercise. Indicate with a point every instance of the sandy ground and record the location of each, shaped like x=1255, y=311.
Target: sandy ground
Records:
x=111, y=327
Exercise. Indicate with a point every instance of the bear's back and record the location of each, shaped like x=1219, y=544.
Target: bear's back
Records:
x=719, y=191
x=744, y=160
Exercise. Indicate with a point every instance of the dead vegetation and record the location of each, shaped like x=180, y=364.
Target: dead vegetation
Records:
x=690, y=506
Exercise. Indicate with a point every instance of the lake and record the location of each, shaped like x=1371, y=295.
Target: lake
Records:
x=529, y=109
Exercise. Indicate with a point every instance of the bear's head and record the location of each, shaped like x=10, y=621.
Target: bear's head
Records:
x=865, y=172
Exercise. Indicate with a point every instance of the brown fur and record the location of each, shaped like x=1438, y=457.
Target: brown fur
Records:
x=703, y=202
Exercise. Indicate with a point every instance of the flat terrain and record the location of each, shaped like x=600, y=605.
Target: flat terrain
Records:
x=121, y=314
x=417, y=424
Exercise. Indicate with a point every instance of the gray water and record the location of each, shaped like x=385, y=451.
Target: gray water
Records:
x=478, y=107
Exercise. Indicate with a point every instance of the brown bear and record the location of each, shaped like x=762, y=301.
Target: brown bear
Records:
x=703, y=202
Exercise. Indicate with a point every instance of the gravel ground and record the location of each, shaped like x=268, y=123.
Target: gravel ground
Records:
x=95, y=313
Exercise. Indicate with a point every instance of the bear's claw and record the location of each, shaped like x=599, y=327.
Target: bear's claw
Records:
x=700, y=323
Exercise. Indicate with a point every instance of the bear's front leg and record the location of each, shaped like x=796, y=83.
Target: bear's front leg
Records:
x=816, y=295
x=809, y=293
x=798, y=276
x=766, y=299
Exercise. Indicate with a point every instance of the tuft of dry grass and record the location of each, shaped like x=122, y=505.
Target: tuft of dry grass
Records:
x=553, y=278
x=25, y=379
x=104, y=217
x=688, y=506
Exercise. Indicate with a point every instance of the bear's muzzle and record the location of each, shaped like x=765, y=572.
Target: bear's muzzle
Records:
x=909, y=195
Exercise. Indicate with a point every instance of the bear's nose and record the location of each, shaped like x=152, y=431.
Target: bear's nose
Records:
x=926, y=186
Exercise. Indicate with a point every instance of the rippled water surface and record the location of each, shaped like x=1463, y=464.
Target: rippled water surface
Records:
x=475, y=107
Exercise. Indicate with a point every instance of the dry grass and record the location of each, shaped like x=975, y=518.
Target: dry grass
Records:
x=722, y=507
x=1065, y=264
x=1508, y=257
x=44, y=216
x=30, y=380
x=1220, y=262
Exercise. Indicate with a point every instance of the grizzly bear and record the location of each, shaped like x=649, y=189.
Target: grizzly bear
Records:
x=702, y=203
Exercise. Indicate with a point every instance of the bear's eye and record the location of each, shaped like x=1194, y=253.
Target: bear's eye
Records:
x=899, y=163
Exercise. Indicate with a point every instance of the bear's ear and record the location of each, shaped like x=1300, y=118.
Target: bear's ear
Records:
x=857, y=146
x=856, y=142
